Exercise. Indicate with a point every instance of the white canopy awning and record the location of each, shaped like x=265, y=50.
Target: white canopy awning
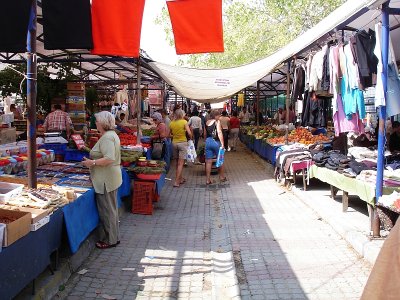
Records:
x=215, y=85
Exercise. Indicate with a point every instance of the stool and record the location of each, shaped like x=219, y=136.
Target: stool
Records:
x=142, y=198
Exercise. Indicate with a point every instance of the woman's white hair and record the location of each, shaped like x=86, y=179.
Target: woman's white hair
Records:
x=106, y=120
x=179, y=114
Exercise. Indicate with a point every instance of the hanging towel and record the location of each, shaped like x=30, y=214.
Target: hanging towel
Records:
x=67, y=24
x=116, y=26
x=14, y=20
x=197, y=25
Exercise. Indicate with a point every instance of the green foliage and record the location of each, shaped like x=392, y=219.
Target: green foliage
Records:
x=48, y=87
x=257, y=28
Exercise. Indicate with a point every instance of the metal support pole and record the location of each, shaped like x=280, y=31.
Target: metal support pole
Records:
x=258, y=104
x=382, y=116
x=287, y=102
x=31, y=96
x=139, y=102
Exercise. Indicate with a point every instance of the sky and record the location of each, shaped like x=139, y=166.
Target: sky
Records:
x=153, y=38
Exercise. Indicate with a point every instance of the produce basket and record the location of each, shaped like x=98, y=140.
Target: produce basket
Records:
x=142, y=199
x=152, y=177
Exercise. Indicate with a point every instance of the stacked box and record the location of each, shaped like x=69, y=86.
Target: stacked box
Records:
x=76, y=103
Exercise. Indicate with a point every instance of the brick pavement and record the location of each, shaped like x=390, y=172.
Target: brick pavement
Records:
x=247, y=239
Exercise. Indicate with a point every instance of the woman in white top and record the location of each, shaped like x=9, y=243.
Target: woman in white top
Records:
x=195, y=126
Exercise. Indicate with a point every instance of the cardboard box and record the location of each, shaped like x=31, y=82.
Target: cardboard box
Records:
x=75, y=86
x=17, y=229
x=80, y=93
x=37, y=213
x=39, y=224
x=8, y=135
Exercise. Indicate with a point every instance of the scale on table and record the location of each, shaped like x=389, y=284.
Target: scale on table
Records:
x=54, y=138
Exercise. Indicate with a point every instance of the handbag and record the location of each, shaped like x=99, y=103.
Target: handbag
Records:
x=158, y=148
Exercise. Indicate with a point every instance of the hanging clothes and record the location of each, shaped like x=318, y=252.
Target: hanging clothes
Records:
x=353, y=100
x=342, y=123
x=325, y=79
x=366, y=59
x=61, y=31
x=334, y=75
x=197, y=26
x=316, y=69
x=393, y=85
x=14, y=21
x=116, y=26
x=298, y=83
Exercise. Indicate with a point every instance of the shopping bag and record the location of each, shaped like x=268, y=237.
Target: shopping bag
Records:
x=191, y=152
x=220, y=157
x=157, y=149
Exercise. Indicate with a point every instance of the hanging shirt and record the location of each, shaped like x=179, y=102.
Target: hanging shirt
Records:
x=342, y=123
x=116, y=26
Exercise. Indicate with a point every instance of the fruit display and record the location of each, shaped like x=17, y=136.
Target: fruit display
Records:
x=148, y=132
x=300, y=135
x=127, y=139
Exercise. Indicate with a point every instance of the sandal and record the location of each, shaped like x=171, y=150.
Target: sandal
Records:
x=183, y=181
x=102, y=245
x=223, y=179
x=176, y=185
x=209, y=182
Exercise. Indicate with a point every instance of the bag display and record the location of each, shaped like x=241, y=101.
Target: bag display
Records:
x=191, y=152
x=220, y=157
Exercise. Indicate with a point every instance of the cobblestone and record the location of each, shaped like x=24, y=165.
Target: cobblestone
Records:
x=248, y=239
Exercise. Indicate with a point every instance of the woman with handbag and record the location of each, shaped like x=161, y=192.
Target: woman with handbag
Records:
x=159, y=137
x=179, y=128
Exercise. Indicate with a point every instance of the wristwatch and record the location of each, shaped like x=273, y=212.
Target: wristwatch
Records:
x=94, y=162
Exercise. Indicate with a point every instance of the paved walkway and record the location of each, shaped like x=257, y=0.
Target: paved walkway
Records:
x=245, y=239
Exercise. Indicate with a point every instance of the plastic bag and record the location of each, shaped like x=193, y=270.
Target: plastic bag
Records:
x=191, y=152
x=220, y=157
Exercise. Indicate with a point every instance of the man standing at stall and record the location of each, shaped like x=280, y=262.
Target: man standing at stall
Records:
x=244, y=117
x=58, y=121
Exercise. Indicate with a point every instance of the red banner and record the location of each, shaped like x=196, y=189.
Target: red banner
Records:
x=116, y=27
x=197, y=25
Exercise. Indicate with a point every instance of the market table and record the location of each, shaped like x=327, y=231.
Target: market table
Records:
x=25, y=259
x=270, y=153
x=365, y=191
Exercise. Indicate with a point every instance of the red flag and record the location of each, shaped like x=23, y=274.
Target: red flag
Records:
x=116, y=26
x=197, y=25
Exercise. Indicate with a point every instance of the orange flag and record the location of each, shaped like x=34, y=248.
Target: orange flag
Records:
x=197, y=25
x=116, y=27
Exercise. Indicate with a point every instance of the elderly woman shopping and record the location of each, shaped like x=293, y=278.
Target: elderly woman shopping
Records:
x=105, y=172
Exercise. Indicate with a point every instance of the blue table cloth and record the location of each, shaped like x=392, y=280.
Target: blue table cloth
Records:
x=28, y=257
x=82, y=217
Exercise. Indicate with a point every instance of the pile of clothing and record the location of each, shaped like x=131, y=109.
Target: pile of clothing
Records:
x=336, y=161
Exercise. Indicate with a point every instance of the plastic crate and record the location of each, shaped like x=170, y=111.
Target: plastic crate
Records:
x=58, y=148
x=75, y=155
x=142, y=199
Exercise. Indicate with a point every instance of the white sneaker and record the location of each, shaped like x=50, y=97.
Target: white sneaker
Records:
x=229, y=148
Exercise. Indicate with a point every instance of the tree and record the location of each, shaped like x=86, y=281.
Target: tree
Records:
x=254, y=29
x=49, y=86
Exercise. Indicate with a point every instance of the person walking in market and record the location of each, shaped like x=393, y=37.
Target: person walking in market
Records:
x=105, y=173
x=225, y=124
x=196, y=127
x=58, y=121
x=234, y=130
x=214, y=141
x=178, y=129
